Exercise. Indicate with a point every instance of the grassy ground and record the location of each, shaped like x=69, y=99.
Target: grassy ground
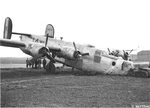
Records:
x=35, y=88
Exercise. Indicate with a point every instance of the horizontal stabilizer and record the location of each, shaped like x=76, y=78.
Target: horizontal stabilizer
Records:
x=11, y=43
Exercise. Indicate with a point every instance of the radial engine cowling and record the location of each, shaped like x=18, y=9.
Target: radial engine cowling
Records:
x=36, y=50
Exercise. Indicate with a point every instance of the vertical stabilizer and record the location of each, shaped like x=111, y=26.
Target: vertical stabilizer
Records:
x=49, y=31
x=7, y=28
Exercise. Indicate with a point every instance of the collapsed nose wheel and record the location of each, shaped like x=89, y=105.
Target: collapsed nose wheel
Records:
x=50, y=67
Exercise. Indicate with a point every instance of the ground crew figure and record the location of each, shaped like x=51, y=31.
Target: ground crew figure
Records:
x=27, y=63
x=44, y=63
x=36, y=63
x=32, y=63
x=39, y=63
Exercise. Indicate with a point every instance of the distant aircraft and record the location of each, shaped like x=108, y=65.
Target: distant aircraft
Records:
x=83, y=57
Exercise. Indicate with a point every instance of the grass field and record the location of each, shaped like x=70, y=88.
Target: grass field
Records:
x=22, y=87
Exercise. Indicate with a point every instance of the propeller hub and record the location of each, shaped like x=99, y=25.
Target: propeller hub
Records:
x=76, y=54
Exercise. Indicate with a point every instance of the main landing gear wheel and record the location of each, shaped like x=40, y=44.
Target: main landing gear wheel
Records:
x=50, y=67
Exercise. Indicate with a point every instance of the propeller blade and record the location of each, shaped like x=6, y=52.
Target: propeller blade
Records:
x=109, y=50
x=46, y=40
x=124, y=51
x=74, y=46
x=85, y=54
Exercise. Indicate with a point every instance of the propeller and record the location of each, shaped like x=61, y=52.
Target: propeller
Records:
x=43, y=52
x=78, y=53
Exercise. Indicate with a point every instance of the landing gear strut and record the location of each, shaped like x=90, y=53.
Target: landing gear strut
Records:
x=50, y=67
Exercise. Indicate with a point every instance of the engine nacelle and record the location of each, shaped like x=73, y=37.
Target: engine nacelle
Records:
x=36, y=50
x=68, y=53
x=7, y=28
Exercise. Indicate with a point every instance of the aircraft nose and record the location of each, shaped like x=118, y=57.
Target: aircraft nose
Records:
x=127, y=65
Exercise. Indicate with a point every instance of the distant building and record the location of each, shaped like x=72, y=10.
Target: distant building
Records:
x=133, y=57
x=143, y=55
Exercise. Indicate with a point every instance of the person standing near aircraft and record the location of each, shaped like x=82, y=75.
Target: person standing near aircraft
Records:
x=36, y=63
x=32, y=63
x=44, y=63
x=27, y=63
x=39, y=63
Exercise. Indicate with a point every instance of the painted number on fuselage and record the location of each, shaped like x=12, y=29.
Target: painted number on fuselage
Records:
x=37, y=40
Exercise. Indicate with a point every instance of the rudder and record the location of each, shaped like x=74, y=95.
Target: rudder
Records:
x=49, y=31
x=7, y=28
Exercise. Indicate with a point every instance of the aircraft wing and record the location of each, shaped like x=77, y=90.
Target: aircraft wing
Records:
x=11, y=43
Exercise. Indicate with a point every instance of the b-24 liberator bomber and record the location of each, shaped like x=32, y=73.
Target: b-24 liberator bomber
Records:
x=83, y=57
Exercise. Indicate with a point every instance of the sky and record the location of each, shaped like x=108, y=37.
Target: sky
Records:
x=119, y=24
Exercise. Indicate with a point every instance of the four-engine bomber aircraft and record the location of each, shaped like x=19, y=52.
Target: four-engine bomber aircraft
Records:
x=83, y=57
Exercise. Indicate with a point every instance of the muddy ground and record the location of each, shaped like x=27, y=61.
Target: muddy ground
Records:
x=22, y=87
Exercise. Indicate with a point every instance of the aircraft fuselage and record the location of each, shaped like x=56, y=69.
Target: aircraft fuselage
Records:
x=96, y=61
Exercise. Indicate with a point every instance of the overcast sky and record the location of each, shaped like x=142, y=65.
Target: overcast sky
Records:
x=120, y=24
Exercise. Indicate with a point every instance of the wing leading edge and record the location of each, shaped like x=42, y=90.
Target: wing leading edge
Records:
x=11, y=43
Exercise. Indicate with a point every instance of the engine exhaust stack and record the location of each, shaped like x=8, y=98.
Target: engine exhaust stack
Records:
x=7, y=28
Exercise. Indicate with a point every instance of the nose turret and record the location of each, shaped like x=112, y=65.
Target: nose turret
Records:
x=127, y=66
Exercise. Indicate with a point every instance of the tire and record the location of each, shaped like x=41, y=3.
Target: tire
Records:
x=50, y=67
